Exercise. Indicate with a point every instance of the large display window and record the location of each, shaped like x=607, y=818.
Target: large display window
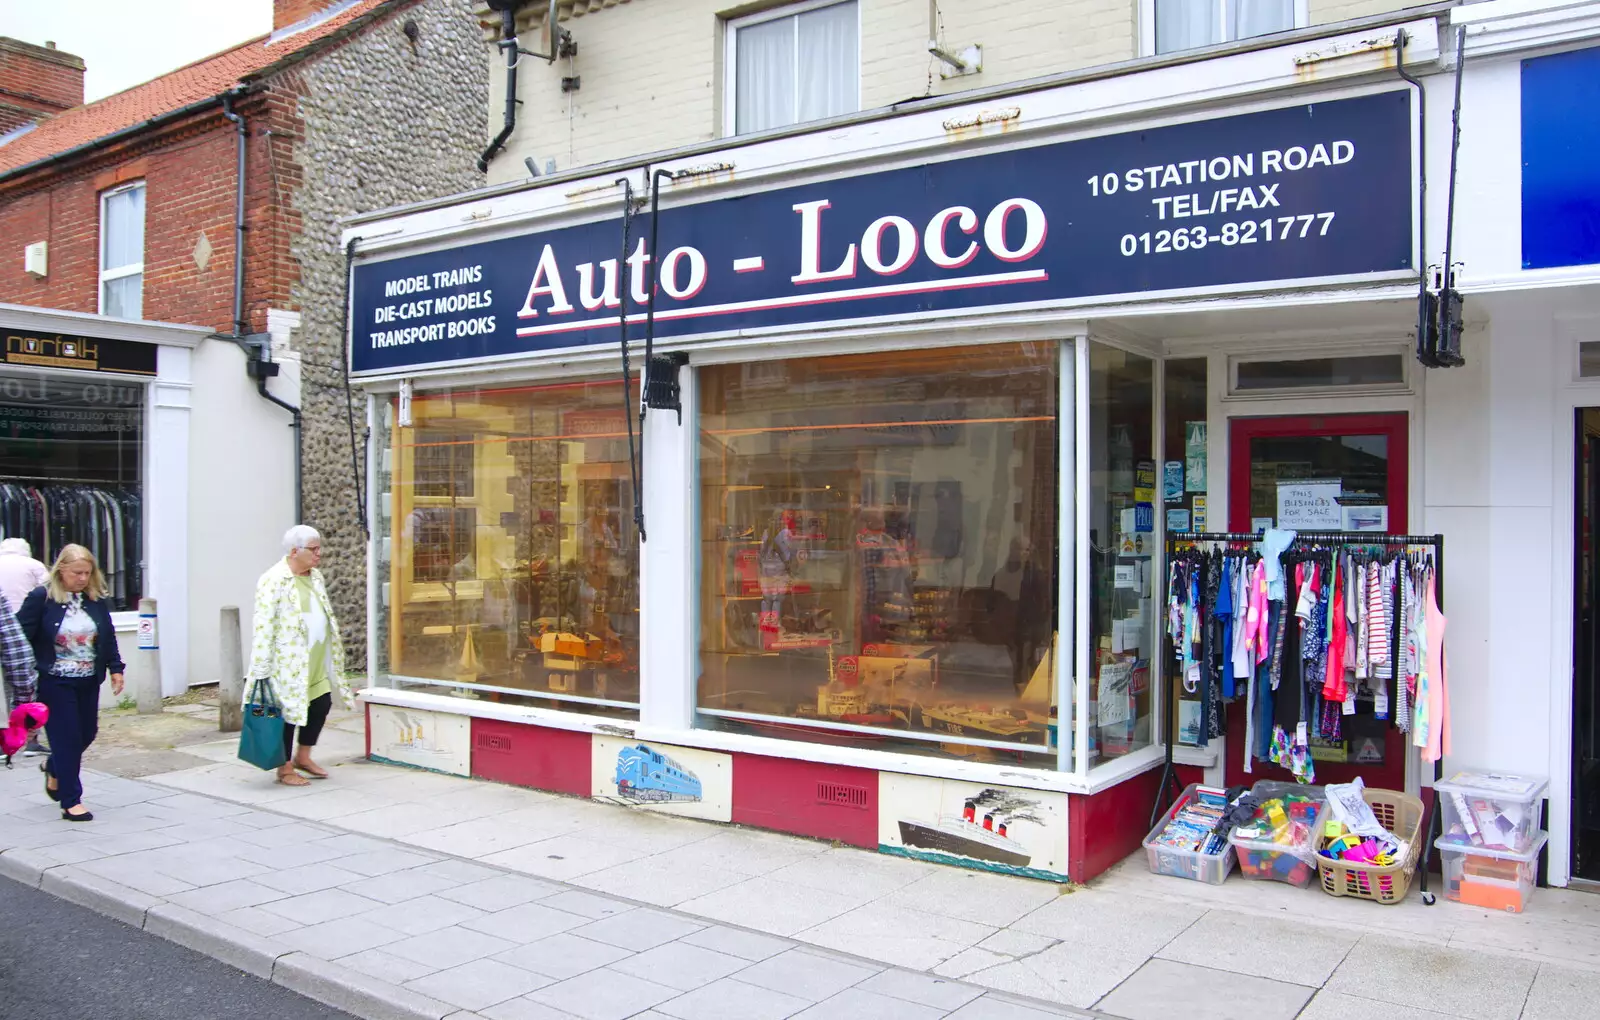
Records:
x=72, y=471
x=878, y=550
x=1125, y=561
x=508, y=546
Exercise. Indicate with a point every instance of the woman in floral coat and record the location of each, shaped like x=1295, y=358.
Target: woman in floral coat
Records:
x=296, y=647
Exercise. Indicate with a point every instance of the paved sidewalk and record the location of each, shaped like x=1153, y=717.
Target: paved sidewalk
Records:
x=382, y=931
x=382, y=853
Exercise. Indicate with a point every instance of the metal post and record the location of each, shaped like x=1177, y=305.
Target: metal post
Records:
x=147, y=661
x=230, y=715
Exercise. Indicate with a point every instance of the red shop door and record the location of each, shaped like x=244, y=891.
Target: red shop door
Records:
x=1367, y=454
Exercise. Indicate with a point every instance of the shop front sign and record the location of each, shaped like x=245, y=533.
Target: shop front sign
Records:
x=77, y=353
x=1313, y=192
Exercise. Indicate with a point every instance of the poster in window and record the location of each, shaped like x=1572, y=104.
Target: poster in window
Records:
x=1310, y=505
x=1194, y=456
x=973, y=825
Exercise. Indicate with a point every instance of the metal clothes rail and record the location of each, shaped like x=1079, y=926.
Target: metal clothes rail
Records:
x=1302, y=540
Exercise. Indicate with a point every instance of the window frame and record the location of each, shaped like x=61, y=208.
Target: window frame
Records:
x=1147, y=26
x=123, y=271
x=730, y=55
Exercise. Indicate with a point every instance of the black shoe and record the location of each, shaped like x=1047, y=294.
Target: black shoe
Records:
x=85, y=817
x=44, y=767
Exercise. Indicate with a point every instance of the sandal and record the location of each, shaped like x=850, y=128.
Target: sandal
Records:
x=293, y=779
x=314, y=771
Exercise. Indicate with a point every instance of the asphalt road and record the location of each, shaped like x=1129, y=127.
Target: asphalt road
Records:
x=60, y=961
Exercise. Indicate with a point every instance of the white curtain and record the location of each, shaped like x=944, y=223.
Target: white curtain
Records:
x=764, y=86
x=1260, y=17
x=123, y=229
x=124, y=297
x=830, y=61
x=1186, y=24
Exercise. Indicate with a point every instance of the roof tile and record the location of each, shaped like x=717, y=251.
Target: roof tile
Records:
x=189, y=84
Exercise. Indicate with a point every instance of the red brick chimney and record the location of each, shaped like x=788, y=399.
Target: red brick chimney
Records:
x=36, y=81
x=288, y=12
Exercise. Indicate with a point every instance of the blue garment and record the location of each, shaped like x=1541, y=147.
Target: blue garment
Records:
x=41, y=616
x=1273, y=542
x=1224, y=613
x=1263, y=721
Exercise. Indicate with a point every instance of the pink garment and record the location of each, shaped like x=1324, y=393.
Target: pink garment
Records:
x=1257, y=623
x=25, y=718
x=1438, y=697
x=19, y=574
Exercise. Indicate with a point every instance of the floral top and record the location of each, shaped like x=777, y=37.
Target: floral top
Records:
x=281, y=645
x=75, y=642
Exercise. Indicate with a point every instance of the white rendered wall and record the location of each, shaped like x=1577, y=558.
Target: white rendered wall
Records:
x=241, y=500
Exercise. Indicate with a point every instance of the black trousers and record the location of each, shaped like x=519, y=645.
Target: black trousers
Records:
x=316, y=715
x=74, y=704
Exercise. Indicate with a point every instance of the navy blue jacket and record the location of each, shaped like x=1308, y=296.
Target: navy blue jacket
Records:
x=41, y=618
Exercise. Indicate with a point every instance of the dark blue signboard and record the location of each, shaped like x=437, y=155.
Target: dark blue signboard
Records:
x=1561, y=160
x=1315, y=191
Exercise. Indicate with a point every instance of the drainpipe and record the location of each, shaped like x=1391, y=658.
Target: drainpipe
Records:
x=239, y=325
x=260, y=366
x=508, y=42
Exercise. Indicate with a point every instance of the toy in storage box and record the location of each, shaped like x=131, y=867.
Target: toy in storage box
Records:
x=1279, y=842
x=1184, y=844
x=1486, y=810
x=1493, y=879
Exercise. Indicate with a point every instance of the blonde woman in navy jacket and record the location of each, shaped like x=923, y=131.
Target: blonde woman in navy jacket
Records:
x=68, y=622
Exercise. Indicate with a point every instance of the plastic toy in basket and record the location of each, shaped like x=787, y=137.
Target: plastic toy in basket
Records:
x=1278, y=842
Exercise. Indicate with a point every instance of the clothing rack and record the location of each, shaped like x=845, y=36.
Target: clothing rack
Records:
x=8, y=479
x=1177, y=540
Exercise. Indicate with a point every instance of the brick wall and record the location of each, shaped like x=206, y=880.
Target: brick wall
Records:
x=651, y=71
x=1325, y=12
x=189, y=177
x=36, y=81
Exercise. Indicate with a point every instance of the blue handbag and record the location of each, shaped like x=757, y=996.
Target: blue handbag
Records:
x=261, y=737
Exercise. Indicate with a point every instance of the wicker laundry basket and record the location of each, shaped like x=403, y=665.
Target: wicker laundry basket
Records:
x=1401, y=814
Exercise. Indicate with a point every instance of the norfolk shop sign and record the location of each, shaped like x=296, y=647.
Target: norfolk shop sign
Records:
x=1320, y=191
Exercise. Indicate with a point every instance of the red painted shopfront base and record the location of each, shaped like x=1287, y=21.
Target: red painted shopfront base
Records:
x=832, y=802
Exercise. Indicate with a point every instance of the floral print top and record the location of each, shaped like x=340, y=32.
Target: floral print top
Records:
x=75, y=641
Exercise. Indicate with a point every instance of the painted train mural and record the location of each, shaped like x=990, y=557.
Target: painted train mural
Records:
x=649, y=776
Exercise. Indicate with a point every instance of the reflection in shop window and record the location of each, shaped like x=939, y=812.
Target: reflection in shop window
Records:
x=512, y=569
x=878, y=550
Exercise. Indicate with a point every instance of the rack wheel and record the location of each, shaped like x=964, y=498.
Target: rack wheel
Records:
x=1428, y=899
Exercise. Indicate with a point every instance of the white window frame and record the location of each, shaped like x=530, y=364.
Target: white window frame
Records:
x=730, y=57
x=132, y=268
x=1147, y=23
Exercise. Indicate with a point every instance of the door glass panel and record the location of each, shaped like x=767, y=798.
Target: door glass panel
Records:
x=1320, y=483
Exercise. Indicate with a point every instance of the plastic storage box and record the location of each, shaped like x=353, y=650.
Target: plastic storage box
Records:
x=1294, y=860
x=1493, y=879
x=1487, y=810
x=1180, y=862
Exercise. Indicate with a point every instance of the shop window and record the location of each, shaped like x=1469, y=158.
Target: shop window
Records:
x=72, y=471
x=1589, y=359
x=878, y=550
x=1185, y=490
x=511, y=563
x=793, y=64
x=1124, y=591
x=122, y=252
x=1313, y=373
x=1173, y=25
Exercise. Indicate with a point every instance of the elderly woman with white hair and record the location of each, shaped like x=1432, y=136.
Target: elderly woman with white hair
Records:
x=296, y=647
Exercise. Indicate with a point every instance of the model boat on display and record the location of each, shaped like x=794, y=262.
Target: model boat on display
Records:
x=966, y=837
x=976, y=721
